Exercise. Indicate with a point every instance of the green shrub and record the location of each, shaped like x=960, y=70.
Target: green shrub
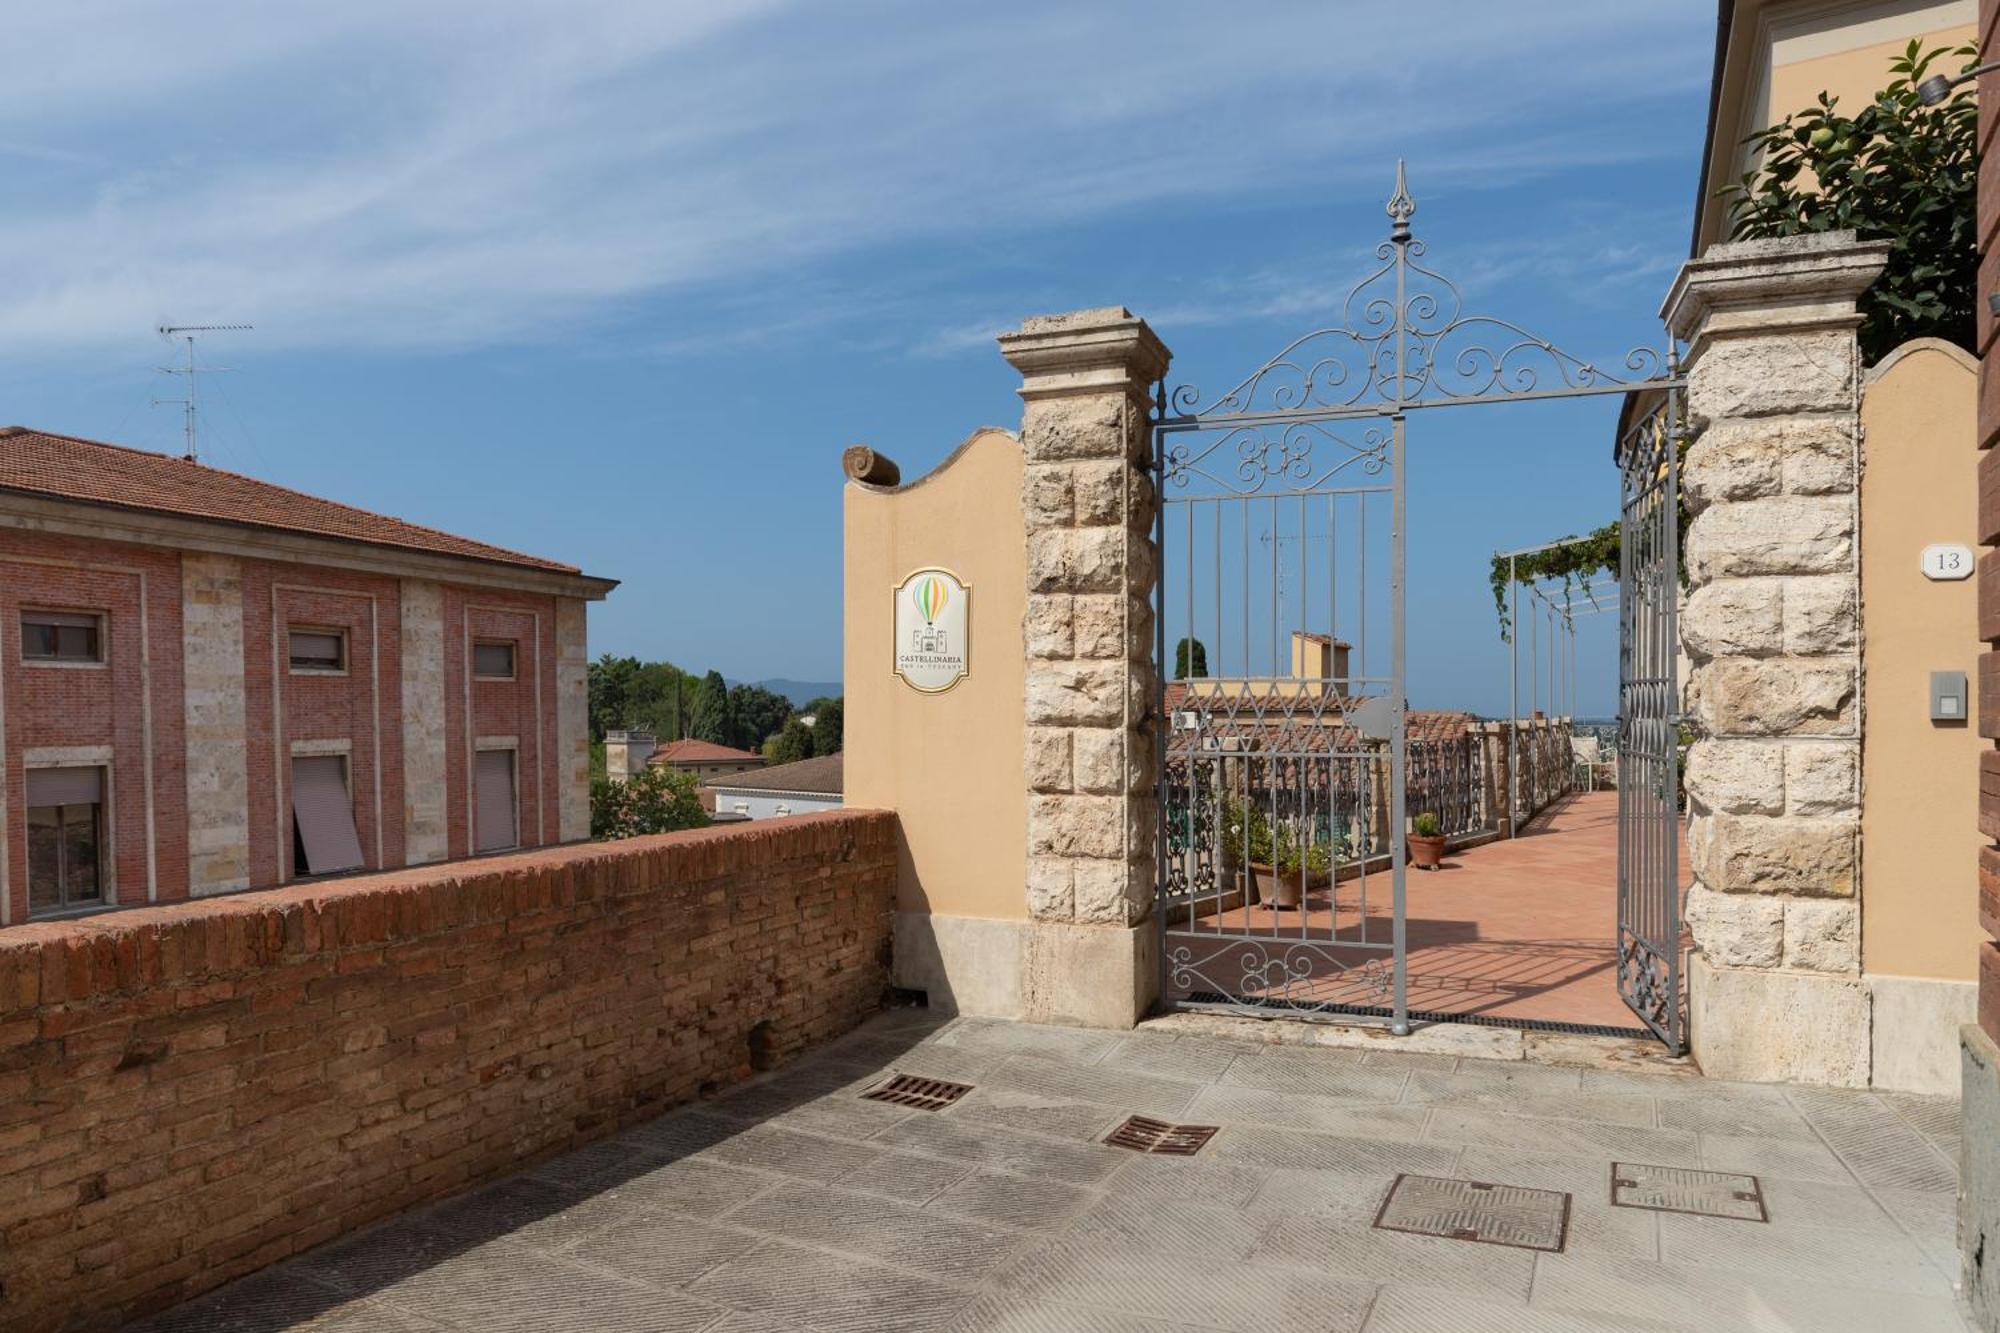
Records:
x=657, y=800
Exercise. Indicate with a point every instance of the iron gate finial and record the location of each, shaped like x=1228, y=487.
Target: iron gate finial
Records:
x=1401, y=208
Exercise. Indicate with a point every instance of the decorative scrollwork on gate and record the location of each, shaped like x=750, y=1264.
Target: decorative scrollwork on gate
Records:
x=1405, y=337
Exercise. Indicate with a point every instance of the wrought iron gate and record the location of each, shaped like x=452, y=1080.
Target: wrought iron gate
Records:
x=1286, y=767
x=1649, y=841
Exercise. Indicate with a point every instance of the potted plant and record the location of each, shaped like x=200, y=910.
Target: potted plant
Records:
x=1280, y=869
x=1426, y=841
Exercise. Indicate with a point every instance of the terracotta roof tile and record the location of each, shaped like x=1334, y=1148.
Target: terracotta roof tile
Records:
x=65, y=467
x=820, y=774
x=692, y=751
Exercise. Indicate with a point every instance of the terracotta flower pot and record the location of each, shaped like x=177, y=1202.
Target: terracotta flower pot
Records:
x=1426, y=853
x=1281, y=888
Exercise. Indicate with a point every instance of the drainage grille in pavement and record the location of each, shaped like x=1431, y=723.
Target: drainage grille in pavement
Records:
x=1157, y=1136
x=1527, y=1219
x=1217, y=1000
x=925, y=1094
x=1680, y=1189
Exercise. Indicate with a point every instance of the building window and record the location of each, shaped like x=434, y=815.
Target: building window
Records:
x=62, y=636
x=65, y=838
x=781, y=809
x=324, y=840
x=493, y=659
x=318, y=650
x=493, y=798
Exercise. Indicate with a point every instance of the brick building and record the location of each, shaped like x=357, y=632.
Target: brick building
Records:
x=209, y=683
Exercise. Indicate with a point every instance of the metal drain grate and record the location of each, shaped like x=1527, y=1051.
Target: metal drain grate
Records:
x=1681, y=1189
x=1526, y=1219
x=924, y=1094
x=1141, y=1134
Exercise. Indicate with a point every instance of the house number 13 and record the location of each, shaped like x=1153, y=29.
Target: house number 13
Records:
x=1945, y=562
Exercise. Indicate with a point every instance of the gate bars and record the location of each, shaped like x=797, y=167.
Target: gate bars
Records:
x=1284, y=761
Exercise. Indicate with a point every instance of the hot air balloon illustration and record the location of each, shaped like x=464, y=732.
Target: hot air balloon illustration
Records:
x=929, y=596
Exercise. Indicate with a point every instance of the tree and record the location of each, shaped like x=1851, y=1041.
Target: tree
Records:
x=657, y=800
x=711, y=717
x=826, y=728
x=1185, y=669
x=1898, y=171
x=793, y=743
x=610, y=683
x=760, y=714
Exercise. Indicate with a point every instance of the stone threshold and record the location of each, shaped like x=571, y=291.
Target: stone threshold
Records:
x=1465, y=1040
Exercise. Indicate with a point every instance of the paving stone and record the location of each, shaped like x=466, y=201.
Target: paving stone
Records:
x=1006, y=1314
x=1479, y=1080
x=1075, y=1046
x=1331, y=1152
x=1840, y=1207
x=382, y=1256
x=1878, y=1145
x=1007, y=1150
x=1189, y=1059
x=1562, y=1103
x=1936, y=1118
x=1298, y=1110
x=662, y=1249
x=685, y=1133
x=906, y=1176
x=695, y=1187
x=1016, y=1201
x=1586, y=1139
x=1128, y=1092
x=1736, y=1117
x=1178, y=1287
x=932, y=1243
x=493, y=1211
x=1081, y=1121
x=836, y=1292
x=607, y=1161
x=273, y=1300
x=516, y=1292
x=1156, y=1226
x=1814, y=1254
x=1337, y=1246
x=1145, y=1176
x=1412, y=1309
x=1797, y=1160
x=808, y=1156
x=1342, y=1197
x=1322, y=1073
x=1620, y=1288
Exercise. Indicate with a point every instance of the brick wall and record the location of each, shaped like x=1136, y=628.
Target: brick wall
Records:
x=192, y=1092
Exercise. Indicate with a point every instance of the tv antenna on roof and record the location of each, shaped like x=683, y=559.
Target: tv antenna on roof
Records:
x=191, y=404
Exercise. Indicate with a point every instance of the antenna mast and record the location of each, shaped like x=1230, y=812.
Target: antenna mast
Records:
x=191, y=404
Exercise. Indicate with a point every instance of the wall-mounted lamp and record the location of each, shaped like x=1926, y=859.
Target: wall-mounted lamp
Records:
x=1937, y=87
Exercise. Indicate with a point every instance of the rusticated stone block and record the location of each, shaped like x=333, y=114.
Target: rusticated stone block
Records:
x=1822, y=615
x=1776, y=697
x=1051, y=888
x=1049, y=758
x=1823, y=936
x=1737, y=777
x=1078, y=693
x=1822, y=779
x=1773, y=375
x=1736, y=930
x=1791, y=534
x=1110, y=892
x=1047, y=496
x=1112, y=761
x=1084, y=426
x=1789, y=854
x=1076, y=826
x=1735, y=618
x=1050, y=625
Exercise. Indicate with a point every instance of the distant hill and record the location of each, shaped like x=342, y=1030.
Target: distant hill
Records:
x=800, y=692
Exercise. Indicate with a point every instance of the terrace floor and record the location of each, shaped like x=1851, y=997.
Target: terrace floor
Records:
x=792, y=1203
x=1523, y=929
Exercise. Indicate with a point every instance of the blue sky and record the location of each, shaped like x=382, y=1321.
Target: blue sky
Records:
x=615, y=282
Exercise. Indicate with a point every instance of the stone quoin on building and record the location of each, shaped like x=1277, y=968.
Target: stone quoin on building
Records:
x=209, y=683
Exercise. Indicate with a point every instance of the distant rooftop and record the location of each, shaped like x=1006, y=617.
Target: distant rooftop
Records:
x=64, y=467
x=691, y=751
x=820, y=775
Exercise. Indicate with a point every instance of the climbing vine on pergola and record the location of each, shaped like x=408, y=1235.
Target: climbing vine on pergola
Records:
x=1574, y=560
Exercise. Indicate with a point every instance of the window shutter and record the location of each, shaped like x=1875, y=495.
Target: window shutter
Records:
x=325, y=815
x=495, y=824
x=493, y=659
x=65, y=786
x=315, y=649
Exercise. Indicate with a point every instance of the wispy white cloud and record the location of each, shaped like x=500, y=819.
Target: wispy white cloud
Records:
x=459, y=173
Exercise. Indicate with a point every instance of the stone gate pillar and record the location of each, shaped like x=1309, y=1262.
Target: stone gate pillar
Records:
x=1771, y=629
x=1088, y=510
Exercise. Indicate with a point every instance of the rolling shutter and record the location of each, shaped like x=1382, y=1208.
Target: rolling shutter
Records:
x=495, y=799
x=65, y=786
x=325, y=815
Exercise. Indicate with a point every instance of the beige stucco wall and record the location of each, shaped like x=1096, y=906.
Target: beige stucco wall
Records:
x=1783, y=53
x=1919, y=811
x=951, y=765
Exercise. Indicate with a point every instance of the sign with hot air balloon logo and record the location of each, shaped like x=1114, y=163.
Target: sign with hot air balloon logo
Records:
x=932, y=649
